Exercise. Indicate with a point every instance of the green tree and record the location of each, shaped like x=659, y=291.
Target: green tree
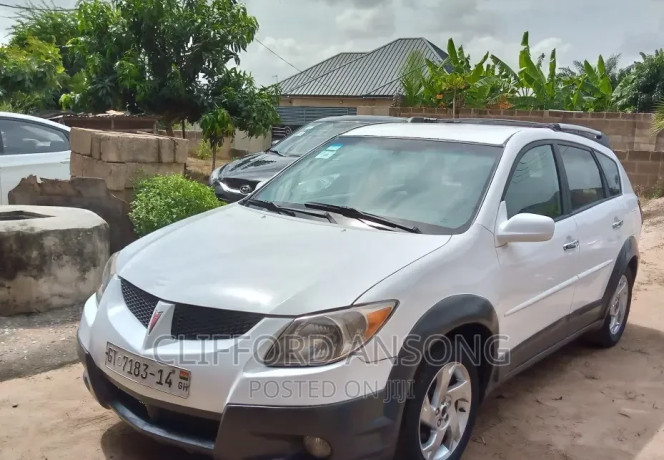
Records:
x=612, y=66
x=413, y=76
x=31, y=76
x=170, y=58
x=643, y=87
x=457, y=82
x=217, y=125
x=102, y=44
x=50, y=25
x=594, y=90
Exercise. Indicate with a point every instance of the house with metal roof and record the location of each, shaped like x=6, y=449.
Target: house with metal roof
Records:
x=343, y=83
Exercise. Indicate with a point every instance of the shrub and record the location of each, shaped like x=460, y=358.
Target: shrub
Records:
x=163, y=200
x=204, y=151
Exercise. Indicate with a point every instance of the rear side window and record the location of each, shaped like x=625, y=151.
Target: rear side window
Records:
x=22, y=137
x=583, y=177
x=611, y=173
x=534, y=187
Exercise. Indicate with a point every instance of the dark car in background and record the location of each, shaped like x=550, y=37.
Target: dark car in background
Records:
x=239, y=178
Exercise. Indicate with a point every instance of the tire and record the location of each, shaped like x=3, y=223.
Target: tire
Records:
x=416, y=435
x=614, y=324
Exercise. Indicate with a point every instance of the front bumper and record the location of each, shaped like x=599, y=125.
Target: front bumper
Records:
x=360, y=428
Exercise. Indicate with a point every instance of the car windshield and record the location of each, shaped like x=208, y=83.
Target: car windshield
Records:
x=314, y=134
x=434, y=186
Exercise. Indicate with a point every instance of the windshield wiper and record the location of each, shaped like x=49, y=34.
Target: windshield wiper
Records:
x=274, y=207
x=271, y=150
x=360, y=215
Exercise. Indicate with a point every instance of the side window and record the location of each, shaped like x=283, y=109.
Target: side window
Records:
x=583, y=177
x=611, y=173
x=19, y=137
x=534, y=186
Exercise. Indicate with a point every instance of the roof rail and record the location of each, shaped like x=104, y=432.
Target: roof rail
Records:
x=588, y=133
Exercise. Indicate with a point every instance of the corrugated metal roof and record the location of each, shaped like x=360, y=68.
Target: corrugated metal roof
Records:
x=298, y=116
x=317, y=70
x=376, y=73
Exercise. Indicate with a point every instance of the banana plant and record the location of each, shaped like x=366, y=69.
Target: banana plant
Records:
x=594, y=91
x=534, y=88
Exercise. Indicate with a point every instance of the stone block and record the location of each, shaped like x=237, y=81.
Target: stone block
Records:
x=166, y=150
x=181, y=150
x=621, y=154
x=95, y=150
x=80, y=140
x=115, y=174
x=80, y=165
x=647, y=167
x=630, y=166
x=639, y=155
x=125, y=148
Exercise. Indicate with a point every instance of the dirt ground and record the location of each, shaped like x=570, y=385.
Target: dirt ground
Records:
x=581, y=403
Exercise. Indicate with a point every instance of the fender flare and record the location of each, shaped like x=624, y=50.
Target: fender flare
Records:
x=629, y=251
x=445, y=316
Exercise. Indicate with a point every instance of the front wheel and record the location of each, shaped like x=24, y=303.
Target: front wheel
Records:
x=438, y=420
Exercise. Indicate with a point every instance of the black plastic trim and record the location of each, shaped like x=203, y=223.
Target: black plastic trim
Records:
x=358, y=429
x=629, y=251
x=444, y=317
x=526, y=348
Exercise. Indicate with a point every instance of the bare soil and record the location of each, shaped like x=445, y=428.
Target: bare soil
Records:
x=35, y=343
x=581, y=403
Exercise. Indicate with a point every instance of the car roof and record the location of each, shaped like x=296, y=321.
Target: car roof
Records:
x=43, y=121
x=367, y=118
x=492, y=135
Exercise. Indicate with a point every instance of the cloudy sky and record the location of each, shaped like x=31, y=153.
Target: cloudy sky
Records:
x=305, y=32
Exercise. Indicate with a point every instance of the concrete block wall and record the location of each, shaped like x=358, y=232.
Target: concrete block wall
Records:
x=239, y=145
x=122, y=158
x=641, y=153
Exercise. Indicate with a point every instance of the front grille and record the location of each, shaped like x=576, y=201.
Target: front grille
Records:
x=198, y=323
x=238, y=183
x=139, y=302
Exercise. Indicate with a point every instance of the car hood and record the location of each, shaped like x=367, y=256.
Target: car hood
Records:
x=257, y=167
x=238, y=258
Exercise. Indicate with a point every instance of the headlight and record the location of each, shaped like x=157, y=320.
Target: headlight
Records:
x=328, y=337
x=106, y=275
x=215, y=174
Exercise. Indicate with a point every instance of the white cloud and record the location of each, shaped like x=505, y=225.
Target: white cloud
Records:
x=367, y=22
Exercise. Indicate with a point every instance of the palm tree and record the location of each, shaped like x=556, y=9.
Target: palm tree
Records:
x=613, y=70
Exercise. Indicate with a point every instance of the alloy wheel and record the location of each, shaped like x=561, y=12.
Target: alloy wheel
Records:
x=445, y=412
x=618, y=305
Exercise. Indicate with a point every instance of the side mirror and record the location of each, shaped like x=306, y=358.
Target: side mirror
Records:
x=260, y=184
x=525, y=228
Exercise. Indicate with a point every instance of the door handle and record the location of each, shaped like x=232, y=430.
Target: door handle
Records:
x=617, y=224
x=571, y=245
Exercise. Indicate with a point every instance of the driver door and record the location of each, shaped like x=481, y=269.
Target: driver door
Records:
x=537, y=278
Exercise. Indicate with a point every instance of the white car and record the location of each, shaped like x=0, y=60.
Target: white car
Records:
x=363, y=302
x=31, y=146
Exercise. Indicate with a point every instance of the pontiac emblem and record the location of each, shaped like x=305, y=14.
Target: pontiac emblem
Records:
x=154, y=320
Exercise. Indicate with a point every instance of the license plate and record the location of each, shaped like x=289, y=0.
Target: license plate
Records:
x=169, y=379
